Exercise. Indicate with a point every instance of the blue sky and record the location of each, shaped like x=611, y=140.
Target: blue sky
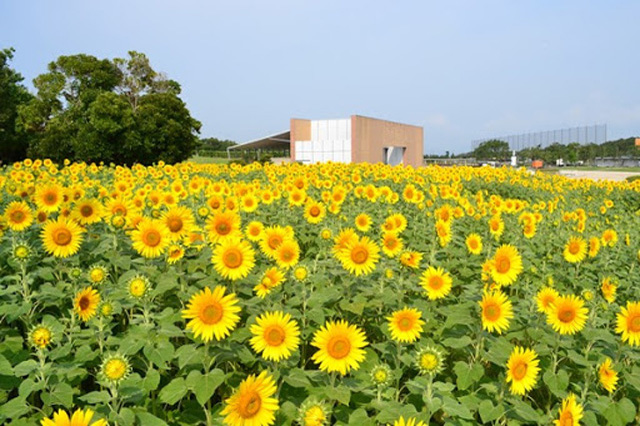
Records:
x=463, y=70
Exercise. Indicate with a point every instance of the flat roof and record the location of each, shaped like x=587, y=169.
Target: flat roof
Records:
x=277, y=141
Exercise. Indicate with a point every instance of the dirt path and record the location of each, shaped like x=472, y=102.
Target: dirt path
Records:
x=597, y=175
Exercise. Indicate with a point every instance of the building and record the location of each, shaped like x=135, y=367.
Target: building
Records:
x=356, y=139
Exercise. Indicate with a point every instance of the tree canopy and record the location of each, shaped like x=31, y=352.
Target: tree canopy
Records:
x=119, y=110
x=493, y=149
x=13, y=143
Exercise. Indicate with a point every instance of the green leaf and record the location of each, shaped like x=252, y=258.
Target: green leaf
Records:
x=151, y=380
x=160, y=354
x=557, y=383
x=204, y=385
x=61, y=394
x=621, y=413
x=148, y=419
x=15, y=408
x=453, y=408
x=96, y=397
x=297, y=378
x=5, y=367
x=359, y=418
x=489, y=412
x=342, y=394
x=467, y=374
x=457, y=342
x=28, y=386
x=525, y=412
x=25, y=368
x=188, y=355
x=174, y=391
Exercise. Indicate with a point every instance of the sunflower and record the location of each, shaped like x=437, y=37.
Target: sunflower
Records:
x=522, y=370
x=87, y=211
x=212, y=313
x=86, y=303
x=609, y=238
x=233, y=258
x=496, y=226
x=474, y=244
x=61, y=237
x=41, y=336
x=381, y=375
x=411, y=421
x=150, y=238
x=249, y=203
x=545, y=299
x=272, y=237
x=363, y=222
x=568, y=314
x=175, y=252
x=18, y=216
x=115, y=368
x=437, y=282
x=360, y=256
x=301, y=273
x=628, y=323
x=48, y=198
x=254, y=230
x=594, y=246
x=443, y=231
x=223, y=225
x=252, y=403
x=570, y=413
x=79, y=418
x=607, y=375
x=179, y=221
x=496, y=311
x=287, y=254
x=344, y=238
x=411, y=259
x=97, y=274
x=339, y=347
x=429, y=361
x=405, y=325
x=314, y=413
x=272, y=278
x=575, y=250
x=138, y=286
x=507, y=265
x=391, y=244
x=314, y=212
x=608, y=289
x=275, y=336
x=21, y=251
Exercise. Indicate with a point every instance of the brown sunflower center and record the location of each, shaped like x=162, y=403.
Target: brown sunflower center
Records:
x=86, y=210
x=574, y=248
x=84, y=303
x=151, y=238
x=287, y=255
x=473, y=244
x=50, y=198
x=435, y=282
x=314, y=211
x=274, y=241
x=391, y=243
x=232, y=258
x=566, y=419
x=519, y=370
x=18, y=216
x=274, y=335
x=249, y=404
x=175, y=224
x=223, y=228
x=633, y=323
x=405, y=323
x=62, y=237
x=338, y=347
x=492, y=311
x=567, y=314
x=359, y=255
x=211, y=313
x=503, y=265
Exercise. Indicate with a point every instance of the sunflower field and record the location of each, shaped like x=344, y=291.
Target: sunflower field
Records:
x=316, y=295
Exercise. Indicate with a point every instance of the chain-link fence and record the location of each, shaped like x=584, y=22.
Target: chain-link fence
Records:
x=583, y=135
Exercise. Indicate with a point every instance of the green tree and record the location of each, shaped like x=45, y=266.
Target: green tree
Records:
x=493, y=149
x=119, y=111
x=13, y=142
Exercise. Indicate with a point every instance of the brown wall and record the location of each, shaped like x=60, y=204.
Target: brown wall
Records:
x=300, y=131
x=369, y=137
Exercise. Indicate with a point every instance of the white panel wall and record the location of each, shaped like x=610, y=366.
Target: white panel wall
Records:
x=330, y=141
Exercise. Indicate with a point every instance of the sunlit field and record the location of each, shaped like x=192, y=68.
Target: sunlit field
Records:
x=316, y=295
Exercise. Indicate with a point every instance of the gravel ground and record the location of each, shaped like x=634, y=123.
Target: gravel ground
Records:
x=597, y=175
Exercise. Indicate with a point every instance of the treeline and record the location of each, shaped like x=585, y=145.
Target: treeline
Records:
x=571, y=153
x=95, y=110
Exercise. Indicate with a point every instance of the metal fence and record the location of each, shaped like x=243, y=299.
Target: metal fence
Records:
x=583, y=135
